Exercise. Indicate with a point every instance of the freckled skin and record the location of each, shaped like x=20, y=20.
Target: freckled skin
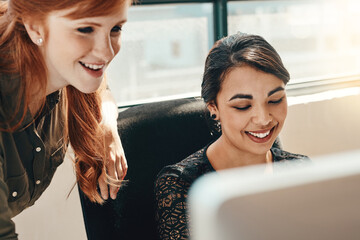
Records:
x=65, y=47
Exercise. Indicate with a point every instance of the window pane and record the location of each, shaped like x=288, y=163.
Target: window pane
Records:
x=163, y=51
x=316, y=39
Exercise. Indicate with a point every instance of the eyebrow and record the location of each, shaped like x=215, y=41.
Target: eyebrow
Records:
x=275, y=90
x=99, y=25
x=239, y=95
x=248, y=96
x=91, y=23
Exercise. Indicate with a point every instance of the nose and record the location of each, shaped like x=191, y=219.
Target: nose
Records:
x=262, y=116
x=104, y=49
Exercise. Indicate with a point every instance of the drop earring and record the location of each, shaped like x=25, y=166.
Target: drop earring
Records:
x=40, y=41
x=215, y=126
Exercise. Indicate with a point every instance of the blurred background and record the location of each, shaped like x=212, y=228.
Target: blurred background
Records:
x=164, y=46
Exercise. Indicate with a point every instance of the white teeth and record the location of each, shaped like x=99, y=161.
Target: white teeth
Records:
x=260, y=135
x=93, y=66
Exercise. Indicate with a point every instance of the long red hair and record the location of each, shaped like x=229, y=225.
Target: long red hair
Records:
x=19, y=55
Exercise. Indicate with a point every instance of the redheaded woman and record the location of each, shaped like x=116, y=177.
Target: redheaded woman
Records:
x=53, y=54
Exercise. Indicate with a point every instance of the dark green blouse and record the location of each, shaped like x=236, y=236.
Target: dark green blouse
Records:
x=28, y=157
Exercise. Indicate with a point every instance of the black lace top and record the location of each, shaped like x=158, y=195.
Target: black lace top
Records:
x=173, y=183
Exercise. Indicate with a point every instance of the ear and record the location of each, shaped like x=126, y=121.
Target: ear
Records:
x=213, y=110
x=35, y=31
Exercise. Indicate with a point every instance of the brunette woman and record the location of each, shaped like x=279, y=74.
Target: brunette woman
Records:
x=244, y=90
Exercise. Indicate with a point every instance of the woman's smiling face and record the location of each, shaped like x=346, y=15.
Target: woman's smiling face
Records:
x=251, y=107
x=77, y=51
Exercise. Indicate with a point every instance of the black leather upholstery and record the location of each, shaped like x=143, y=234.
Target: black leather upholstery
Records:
x=153, y=135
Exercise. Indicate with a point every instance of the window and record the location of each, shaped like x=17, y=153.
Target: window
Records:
x=164, y=46
x=316, y=39
x=163, y=52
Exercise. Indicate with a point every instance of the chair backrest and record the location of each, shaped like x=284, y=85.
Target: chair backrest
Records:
x=153, y=135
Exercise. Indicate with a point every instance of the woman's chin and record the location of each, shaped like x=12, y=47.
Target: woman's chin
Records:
x=88, y=89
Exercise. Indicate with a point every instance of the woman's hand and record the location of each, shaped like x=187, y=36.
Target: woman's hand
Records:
x=115, y=164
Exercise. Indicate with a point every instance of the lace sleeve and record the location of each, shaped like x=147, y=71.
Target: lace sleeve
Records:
x=171, y=194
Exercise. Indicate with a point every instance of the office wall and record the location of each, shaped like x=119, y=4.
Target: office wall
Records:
x=55, y=216
x=323, y=127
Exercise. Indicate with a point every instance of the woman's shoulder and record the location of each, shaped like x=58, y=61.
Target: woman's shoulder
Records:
x=9, y=81
x=189, y=168
x=282, y=155
x=10, y=97
x=9, y=88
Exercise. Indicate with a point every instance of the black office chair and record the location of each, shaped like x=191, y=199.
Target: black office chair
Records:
x=153, y=135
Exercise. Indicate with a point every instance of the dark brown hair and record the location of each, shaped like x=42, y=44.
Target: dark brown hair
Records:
x=235, y=51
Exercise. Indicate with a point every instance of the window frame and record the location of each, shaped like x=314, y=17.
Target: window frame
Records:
x=219, y=11
x=220, y=16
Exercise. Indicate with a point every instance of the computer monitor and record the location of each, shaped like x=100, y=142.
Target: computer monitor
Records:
x=318, y=201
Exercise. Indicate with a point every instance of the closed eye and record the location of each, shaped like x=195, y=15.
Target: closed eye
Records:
x=243, y=108
x=276, y=101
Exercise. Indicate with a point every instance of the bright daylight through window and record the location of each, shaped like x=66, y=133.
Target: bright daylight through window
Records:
x=168, y=43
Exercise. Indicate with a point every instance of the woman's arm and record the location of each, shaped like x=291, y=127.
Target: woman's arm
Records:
x=171, y=211
x=116, y=166
x=7, y=226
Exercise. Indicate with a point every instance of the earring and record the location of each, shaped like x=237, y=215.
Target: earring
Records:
x=213, y=116
x=39, y=41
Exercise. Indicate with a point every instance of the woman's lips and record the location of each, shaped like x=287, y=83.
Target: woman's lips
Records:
x=260, y=136
x=94, y=70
